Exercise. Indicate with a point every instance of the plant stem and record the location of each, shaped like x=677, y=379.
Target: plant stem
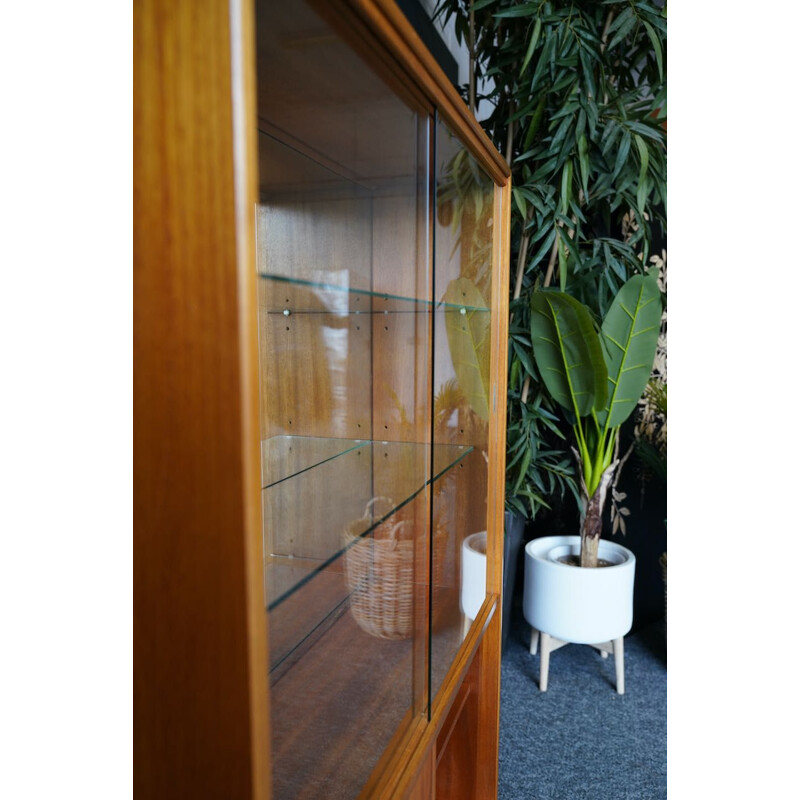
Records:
x=523, y=252
x=604, y=37
x=553, y=254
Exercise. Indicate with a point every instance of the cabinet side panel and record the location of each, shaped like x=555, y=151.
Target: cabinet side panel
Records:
x=424, y=787
x=457, y=763
x=191, y=693
x=488, y=725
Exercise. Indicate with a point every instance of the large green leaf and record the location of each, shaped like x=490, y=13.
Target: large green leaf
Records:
x=568, y=352
x=469, y=337
x=630, y=335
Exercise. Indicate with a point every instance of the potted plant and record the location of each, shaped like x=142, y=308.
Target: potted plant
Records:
x=598, y=377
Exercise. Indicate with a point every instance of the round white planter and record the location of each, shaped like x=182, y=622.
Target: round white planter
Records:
x=574, y=604
x=473, y=574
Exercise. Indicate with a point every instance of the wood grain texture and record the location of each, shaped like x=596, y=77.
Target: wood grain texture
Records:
x=200, y=715
x=488, y=710
x=245, y=150
x=499, y=359
x=425, y=786
x=457, y=749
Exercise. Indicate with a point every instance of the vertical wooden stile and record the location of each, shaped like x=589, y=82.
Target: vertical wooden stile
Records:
x=199, y=685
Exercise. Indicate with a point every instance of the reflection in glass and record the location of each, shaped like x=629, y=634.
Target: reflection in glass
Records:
x=463, y=275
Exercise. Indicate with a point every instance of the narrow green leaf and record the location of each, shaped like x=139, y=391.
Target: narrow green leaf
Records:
x=520, y=200
x=561, y=133
x=644, y=155
x=523, y=470
x=569, y=107
x=566, y=186
x=535, y=122
x=524, y=358
x=543, y=61
x=562, y=265
x=546, y=170
x=642, y=192
x=526, y=10
x=583, y=157
x=649, y=131
x=622, y=153
x=537, y=29
x=588, y=73
x=580, y=126
x=545, y=247
x=523, y=111
x=620, y=19
x=656, y=48
x=624, y=29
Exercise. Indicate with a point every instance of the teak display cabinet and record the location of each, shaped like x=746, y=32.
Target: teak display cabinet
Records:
x=321, y=233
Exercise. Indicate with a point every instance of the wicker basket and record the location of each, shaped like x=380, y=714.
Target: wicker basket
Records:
x=379, y=568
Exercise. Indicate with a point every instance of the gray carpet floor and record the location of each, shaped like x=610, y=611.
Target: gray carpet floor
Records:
x=580, y=740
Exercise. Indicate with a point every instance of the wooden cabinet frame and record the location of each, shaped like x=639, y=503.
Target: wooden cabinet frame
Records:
x=201, y=699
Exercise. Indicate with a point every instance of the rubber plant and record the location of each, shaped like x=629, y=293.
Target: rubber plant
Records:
x=597, y=377
x=576, y=99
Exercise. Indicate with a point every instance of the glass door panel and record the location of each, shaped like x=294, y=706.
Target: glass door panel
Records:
x=464, y=197
x=345, y=326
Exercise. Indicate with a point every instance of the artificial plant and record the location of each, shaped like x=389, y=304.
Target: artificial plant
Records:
x=598, y=378
x=576, y=99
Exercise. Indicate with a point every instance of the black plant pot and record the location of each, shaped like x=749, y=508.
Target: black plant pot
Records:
x=512, y=544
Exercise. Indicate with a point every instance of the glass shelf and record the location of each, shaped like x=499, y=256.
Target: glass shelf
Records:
x=283, y=457
x=302, y=296
x=322, y=470
x=331, y=490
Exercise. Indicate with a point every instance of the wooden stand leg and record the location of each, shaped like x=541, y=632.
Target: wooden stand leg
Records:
x=619, y=664
x=544, y=664
x=534, y=640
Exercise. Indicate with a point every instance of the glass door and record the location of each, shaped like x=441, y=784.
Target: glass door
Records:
x=464, y=211
x=374, y=246
x=345, y=327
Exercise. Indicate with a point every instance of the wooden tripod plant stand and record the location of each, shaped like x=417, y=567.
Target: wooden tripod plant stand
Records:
x=550, y=644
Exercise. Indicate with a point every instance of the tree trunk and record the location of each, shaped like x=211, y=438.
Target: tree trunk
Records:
x=591, y=529
x=592, y=525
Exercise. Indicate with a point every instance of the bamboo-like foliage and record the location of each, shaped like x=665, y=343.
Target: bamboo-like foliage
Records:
x=577, y=99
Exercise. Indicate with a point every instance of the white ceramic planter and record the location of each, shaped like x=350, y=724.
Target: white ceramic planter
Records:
x=574, y=604
x=473, y=574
